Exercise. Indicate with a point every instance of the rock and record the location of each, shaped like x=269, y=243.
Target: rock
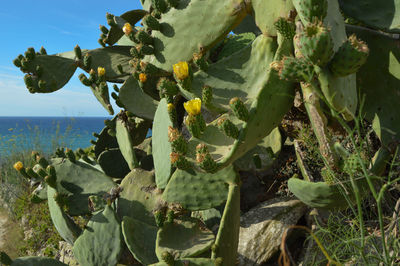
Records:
x=65, y=254
x=262, y=227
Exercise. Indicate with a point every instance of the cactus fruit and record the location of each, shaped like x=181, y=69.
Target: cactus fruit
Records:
x=228, y=127
x=294, y=69
x=349, y=58
x=178, y=142
x=316, y=44
x=286, y=28
x=239, y=109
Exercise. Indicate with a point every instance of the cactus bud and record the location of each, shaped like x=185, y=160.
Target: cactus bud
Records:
x=166, y=86
x=226, y=126
x=92, y=76
x=144, y=37
x=349, y=58
x=179, y=161
x=206, y=95
x=30, y=53
x=200, y=61
x=51, y=170
x=168, y=258
x=103, y=29
x=51, y=181
x=142, y=77
x=159, y=218
x=204, y=159
x=17, y=62
x=39, y=71
x=148, y=68
x=85, y=81
x=101, y=42
x=193, y=126
x=32, y=174
x=42, y=161
x=127, y=28
x=160, y=5
x=239, y=109
x=145, y=50
x=170, y=216
x=70, y=155
x=93, y=142
x=114, y=96
x=134, y=53
x=87, y=61
x=294, y=69
x=172, y=112
x=178, y=142
x=78, y=52
x=151, y=22
x=173, y=3
x=43, y=51
x=115, y=87
x=60, y=199
x=42, y=84
x=28, y=80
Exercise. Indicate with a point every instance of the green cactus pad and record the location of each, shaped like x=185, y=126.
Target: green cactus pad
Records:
x=55, y=71
x=35, y=261
x=324, y=196
x=267, y=150
x=136, y=101
x=132, y=17
x=110, y=58
x=177, y=42
x=101, y=241
x=184, y=238
x=65, y=226
x=267, y=12
x=125, y=143
x=199, y=191
x=375, y=14
x=341, y=93
x=210, y=217
x=161, y=145
x=104, y=141
x=140, y=238
x=227, y=240
x=78, y=181
x=139, y=196
x=349, y=58
x=236, y=43
x=190, y=262
x=379, y=80
x=113, y=163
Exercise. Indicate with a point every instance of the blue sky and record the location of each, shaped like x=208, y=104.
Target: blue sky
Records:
x=58, y=26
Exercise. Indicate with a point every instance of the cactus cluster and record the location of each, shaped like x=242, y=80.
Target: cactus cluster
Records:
x=210, y=100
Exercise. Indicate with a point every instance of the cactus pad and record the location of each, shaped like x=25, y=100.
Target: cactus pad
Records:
x=184, y=238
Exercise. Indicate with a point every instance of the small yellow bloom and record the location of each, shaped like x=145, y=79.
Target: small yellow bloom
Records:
x=18, y=166
x=142, y=77
x=181, y=70
x=170, y=107
x=101, y=71
x=127, y=28
x=193, y=107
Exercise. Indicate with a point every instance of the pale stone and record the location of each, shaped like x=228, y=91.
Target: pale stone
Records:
x=262, y=227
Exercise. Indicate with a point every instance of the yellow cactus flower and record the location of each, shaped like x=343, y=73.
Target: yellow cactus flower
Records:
x=101, y=71
x=193, y=107
x=181, y=70
x=18, y=166
x=127, y=28
x=142, y=77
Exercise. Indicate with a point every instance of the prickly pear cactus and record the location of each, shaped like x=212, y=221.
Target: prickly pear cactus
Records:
x=214, y=102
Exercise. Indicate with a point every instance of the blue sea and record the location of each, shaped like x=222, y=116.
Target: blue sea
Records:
x=47, y=133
